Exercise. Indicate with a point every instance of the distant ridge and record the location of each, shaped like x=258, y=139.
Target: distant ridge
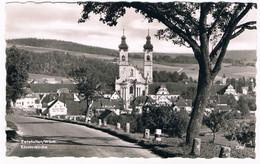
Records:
x=63, y=45
x=243, y=55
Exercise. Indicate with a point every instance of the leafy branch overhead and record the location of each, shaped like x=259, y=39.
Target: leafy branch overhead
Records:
x=189, y=24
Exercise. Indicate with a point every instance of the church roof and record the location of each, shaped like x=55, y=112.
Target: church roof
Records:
x=123, y=45
x=148, y=45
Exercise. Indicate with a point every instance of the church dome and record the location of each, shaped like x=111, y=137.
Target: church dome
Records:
x=123, y=45
x=148, y=45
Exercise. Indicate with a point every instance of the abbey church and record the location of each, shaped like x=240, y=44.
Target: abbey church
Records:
x=132, y=82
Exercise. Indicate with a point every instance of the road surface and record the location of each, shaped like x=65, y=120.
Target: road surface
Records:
x=49, y=138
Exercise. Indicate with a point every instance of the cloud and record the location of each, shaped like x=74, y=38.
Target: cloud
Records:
x=59, y=21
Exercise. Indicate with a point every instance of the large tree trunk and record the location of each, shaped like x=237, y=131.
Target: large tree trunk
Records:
x=199, y=104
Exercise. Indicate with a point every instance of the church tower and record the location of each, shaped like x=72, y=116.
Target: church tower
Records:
x=123, y=55
x=148, y=59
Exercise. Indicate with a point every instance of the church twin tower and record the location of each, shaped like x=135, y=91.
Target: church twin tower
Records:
x=148, y=57
x=132, y=83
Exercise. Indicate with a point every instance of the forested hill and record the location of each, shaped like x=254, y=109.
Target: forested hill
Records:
x=63, y=45
x=234, y=56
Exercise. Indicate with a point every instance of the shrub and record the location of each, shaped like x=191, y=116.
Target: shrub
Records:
x=243, y=133
x=173, y=123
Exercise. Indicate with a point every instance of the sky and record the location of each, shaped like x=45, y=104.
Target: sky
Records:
x=60, y=21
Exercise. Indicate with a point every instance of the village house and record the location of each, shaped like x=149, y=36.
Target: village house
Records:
x=101, y=105
x=55, y=108
x=229, y=89
x=28, y=101
x=163, y=97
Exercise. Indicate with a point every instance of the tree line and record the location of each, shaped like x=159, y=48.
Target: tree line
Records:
x=63, y=45
x=58, y=63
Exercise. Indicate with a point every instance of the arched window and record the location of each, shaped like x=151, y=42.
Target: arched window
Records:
x=131, y=90
x=131, y=72
x=148, y=58
x=123, y=58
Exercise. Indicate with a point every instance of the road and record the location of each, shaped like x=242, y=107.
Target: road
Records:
x=49, y=138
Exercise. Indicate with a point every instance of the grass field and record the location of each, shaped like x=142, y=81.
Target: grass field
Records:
x=190, y=69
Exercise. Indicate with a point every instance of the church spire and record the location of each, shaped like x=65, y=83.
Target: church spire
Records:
x=123, y=45
x=148, y=46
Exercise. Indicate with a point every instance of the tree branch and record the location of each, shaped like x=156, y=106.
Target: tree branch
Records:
x=230, y=28
x=228, y=34
x=210, y=30
x=241, y=30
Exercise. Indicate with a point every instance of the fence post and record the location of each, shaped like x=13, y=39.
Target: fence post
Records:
x=105, y=122
x=118, y=125
x=157, y=136
x=224, y=152
x=99, y=122
x=196, y=147
x=58, y=117
x=47, y=115
x=127, y=129
x=147, y=133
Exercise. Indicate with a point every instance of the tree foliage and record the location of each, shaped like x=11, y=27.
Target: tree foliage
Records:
x=195, y=25
x=173, y=123
x=243, y=133
x=17, y=74
x=217, y=120
x=57, y=63
x=87, y=84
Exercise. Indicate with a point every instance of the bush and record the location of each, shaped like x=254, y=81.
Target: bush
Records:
x=173, y=123
x=243, y=133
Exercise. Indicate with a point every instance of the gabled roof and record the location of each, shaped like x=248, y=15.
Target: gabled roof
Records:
x=222, y=90
x=143, y=99
x=49, y=106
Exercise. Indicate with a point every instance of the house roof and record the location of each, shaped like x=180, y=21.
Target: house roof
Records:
x=75, y=107
x=49, y=106
x=47, y=88
x=183, y=102
x=222, y=90
x=223, y=99
x=105, y=114
x=178, y=88
x=142, y=99
x=63, y=90
x=173, y=88
x=106, y=103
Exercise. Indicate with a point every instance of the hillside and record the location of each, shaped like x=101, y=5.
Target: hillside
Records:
x=45, y=45
x=62, y=45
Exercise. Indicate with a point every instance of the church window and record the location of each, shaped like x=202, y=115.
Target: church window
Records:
x=143, y=93
x=147, y=74
x=148, y=58
x=131, y=72
x=123, y=58
x=131, y=90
